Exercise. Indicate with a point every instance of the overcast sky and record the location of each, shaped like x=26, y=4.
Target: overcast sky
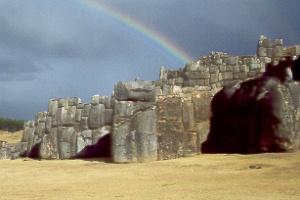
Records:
x=55, y=48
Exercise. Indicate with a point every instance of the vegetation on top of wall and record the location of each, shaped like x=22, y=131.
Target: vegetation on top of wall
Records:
x=11, y=125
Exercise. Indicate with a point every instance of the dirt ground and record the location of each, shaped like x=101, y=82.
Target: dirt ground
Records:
x=234, y=177
x=11, y=138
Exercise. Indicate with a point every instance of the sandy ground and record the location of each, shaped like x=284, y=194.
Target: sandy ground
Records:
x=263, y=176
x=11, y=138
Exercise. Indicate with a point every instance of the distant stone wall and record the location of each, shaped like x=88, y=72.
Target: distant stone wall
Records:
x=67, y=128
x=147, y=120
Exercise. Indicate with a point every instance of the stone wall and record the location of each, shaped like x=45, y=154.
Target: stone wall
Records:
x=147, y=120
x=134, y=122
x=67, y=128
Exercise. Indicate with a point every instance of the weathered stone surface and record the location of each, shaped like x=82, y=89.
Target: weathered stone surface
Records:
x=66, y=142
x=40, y=129
x=108, y=116
x=49, y=144
x=144, y=125
x=86, y=110
x=97, y=116
x=48, y=124
x=106, y=101
x=99, y=133
x=40, y=117
x=52, y=107
x=83, y=139
x=5, y=152
x=135, y=91
x=188, y=115
x=66, y=116
x=170, y=108
x=95, y=99
x=257, y=115
x=28, y=134
x=74, y=101
x=123, y=146
x=84, y=125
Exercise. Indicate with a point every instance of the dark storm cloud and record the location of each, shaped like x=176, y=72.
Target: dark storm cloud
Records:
x=89, y=51
x=45, y=30
x=20, y=69
x=220, y=25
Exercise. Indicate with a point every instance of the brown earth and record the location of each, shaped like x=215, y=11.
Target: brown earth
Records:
x=11, y=137
x=233, y=177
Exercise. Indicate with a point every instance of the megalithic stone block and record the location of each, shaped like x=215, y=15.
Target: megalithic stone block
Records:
x=40, y=129
x=108, y=116
x=83, y=139
x=66, y=142
x=97, y=116
x=69, y=118
x=144, y=125
x=78, y=115
x=40, y=117
x=106, y=100
x=123, y=147
x=28, y=134
x=188, y=115
x=49, y=145
x=62, y=103
x=123, y=108
x=52, y=107
x=48, y=124
x=84, y=125
x=95, y=99
x=99, y=133
x=86, y=110
x=74, y=101
x=135, y=91
x=66, y=116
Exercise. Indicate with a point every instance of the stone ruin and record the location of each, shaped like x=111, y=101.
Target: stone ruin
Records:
x=146, y=120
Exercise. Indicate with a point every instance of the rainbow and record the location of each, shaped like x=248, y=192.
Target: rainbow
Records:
x=160, y=40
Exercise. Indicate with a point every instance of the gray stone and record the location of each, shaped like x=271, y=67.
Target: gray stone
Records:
x=46, y=148
x=40, y=129
x=86, y=110
x=28, y=134
x=96, y=116
x=95, y=99
x=52, y=106
x=40, y=117
x=135, y=91
x=48, y=124
x=84, y=123
x=262, y=52
x=74, y=101
x=145, y=136
x=62, y=103
x=83, y=139
x=106, y=100
x=66, y=116
x=227, y=75
x=214, y=78
x=123, y=146
x=100, y=133
x=108, y=116
x=188, y=115
x=196, y=75
x=78, y=115
x=66, y=142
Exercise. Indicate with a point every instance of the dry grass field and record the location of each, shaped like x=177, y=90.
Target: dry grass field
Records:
x=10, y=137
x=232, y=177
